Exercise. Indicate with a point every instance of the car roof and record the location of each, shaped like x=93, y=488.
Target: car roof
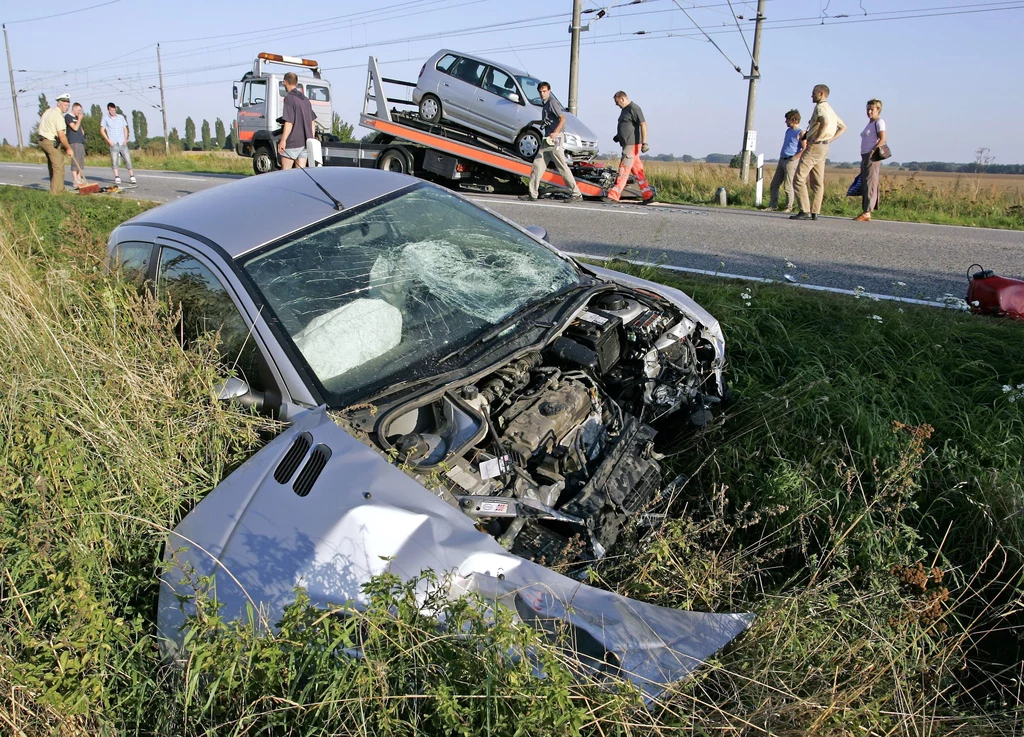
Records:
x=505, y=67
x=247, y=213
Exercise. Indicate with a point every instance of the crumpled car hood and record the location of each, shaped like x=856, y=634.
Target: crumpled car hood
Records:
x=362, y=516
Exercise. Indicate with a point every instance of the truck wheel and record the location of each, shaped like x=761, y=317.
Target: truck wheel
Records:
x=393, y=160
x=262, y=161
x=430, y=109
x=528, y=143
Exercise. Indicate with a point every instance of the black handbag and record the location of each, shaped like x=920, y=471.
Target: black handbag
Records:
x=882, y=152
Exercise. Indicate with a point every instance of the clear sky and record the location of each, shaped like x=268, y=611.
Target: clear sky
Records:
x=948, y=71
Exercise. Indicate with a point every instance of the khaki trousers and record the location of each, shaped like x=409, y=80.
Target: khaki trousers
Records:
x=55, y=163
x=545, y=155
x=784, y=174
x=869, y=176
x=811, y=171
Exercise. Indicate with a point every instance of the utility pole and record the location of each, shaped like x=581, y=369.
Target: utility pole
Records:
x=755, y=74
x=574, y=55
x=163, y=105
x=14, y=92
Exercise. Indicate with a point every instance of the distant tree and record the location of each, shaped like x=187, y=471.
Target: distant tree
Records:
x=736, y=161
x=173, y=138
x=207, y=138
x=221, y=134
x=33, y=134
x=341, y=129
x=845, y=165
x=190, y=134
x=913, y=166
x=96, y=112
x=687, y=159
x=141, y=128
x=5, y=143
x=230, y=142
x=94, y=143
x=718, y=158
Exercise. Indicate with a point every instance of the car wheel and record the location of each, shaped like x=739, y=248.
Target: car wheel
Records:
x=528, y=143
x=262, y=161
x=430, y=109
x=393, y=160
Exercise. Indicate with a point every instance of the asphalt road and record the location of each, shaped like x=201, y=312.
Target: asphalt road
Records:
x=929, y=260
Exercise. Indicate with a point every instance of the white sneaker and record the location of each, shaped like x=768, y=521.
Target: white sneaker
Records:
x=117, y=180
x=132, y=180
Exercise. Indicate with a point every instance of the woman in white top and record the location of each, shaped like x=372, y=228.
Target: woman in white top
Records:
x=871, y=139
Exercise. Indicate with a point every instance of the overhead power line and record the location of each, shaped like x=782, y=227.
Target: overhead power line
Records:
x=60, y=15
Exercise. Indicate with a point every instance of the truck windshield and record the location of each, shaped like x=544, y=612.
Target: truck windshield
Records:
x=381, y=295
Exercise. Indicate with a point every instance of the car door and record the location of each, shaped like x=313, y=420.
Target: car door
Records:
x=460, y=91
x=252, y=115
x=499, y=104
x=210, y=314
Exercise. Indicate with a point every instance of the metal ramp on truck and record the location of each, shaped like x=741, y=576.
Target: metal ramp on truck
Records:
x=458, y=145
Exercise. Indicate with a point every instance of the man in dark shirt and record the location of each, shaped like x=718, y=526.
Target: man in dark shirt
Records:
x=632, y=136
x=76, y=137
x=551, y=124
x=298, y=124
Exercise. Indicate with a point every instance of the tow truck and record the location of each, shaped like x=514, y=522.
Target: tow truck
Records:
x=402, y=141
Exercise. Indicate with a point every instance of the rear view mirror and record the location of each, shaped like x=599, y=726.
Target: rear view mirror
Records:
x=537, y=231
x=234, y=95
x=234, y=389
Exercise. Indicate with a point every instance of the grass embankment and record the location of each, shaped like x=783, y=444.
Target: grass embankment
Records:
x=862, y=496
x=966, y=199
x=213, y=162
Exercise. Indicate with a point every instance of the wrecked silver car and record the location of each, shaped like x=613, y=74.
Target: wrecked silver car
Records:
x=460, y=397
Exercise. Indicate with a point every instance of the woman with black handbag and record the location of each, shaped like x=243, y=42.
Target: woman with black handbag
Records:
x=873, y=150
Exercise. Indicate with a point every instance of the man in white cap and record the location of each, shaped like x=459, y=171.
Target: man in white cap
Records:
x=53, y=140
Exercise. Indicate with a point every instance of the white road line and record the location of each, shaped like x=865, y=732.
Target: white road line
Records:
x=577, y=208
x=763, y=280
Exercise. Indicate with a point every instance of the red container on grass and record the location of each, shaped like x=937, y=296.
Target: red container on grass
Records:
x=989, y=294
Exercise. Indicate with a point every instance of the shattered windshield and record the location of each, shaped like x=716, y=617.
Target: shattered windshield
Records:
x=379, y=296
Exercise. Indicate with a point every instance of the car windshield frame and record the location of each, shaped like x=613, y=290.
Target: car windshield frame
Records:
x=418, y=301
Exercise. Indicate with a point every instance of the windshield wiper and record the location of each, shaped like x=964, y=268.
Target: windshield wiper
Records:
x=512, y=319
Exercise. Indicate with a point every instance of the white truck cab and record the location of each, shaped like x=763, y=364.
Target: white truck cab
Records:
x=259, y=98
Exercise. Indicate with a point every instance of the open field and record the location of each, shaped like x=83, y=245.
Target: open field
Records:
x=863, y=496
x=994, y=201
x=212, y=162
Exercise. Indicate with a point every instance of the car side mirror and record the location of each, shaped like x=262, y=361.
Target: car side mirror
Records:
x=234, y=389
x=514, y=97
x=537, y=231
x=234, y=95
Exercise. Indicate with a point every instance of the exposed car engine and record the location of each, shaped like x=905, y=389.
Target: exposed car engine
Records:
x=554, y=452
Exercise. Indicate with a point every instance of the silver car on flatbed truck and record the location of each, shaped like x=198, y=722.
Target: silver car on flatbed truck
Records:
x=459, y=396
x=494, y=99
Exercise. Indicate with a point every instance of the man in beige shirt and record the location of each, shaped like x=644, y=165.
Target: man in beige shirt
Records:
x=53, y=140
x=824, y=127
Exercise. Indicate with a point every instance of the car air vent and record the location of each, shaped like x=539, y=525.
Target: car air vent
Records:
x=311, y=471
x=290, y=463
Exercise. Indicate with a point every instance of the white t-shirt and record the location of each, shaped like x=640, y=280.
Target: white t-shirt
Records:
x=869, y=136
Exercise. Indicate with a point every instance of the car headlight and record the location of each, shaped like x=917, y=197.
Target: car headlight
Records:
x=571, y=140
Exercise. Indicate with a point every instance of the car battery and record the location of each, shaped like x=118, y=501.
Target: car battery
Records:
x=600, y=332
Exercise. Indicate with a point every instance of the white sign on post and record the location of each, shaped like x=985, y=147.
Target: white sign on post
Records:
x=759, y=187
x=751, y=141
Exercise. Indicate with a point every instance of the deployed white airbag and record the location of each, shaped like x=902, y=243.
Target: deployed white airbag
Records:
x=349, y=336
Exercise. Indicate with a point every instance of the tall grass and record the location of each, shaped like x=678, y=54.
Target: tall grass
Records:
x=962, y=200
x=862, y=497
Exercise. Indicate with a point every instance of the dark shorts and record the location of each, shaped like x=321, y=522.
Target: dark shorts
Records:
x=78, y=149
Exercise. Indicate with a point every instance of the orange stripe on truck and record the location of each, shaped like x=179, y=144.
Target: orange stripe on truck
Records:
x=246, y=135
x=499, y=161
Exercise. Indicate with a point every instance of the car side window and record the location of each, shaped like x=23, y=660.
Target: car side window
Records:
x=316, y=93
x=184, y=282
x=469, y=71
x=133, y=261
x=255, y=93
x=498, y=83
x=444, y=64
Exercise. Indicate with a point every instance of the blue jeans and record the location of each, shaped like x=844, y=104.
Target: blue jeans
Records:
x=120, y=149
